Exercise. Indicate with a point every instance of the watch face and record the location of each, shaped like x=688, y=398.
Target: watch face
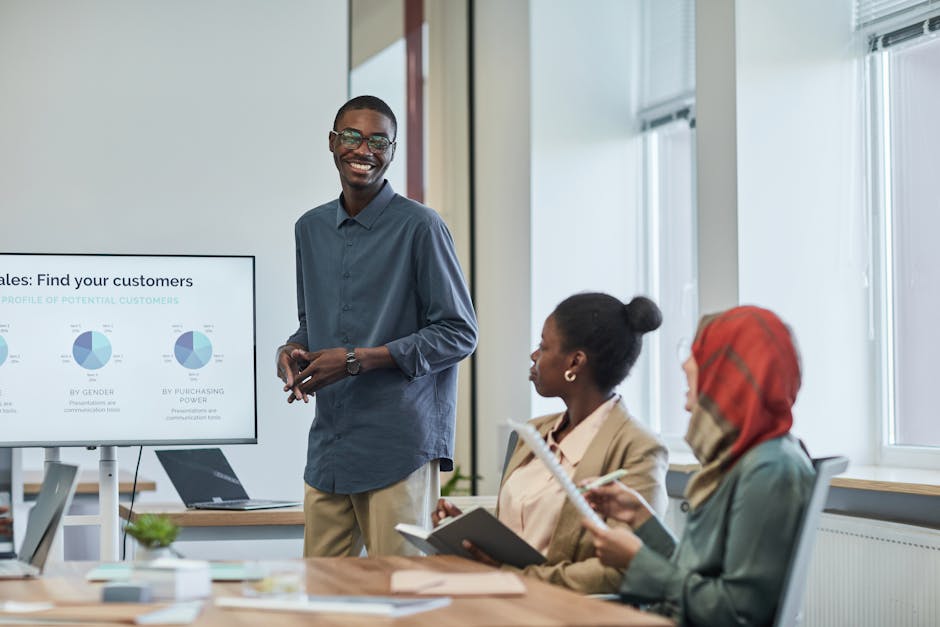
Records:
x=352, y=365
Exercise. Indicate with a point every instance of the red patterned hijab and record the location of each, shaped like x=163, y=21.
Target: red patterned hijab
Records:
x=748, y=378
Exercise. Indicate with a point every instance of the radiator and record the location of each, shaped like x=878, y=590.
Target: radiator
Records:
x=872, y=573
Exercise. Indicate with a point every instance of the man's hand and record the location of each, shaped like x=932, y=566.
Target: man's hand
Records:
x=615, y=546
x=617, y=501
x=324, y=367
x=288, y=369
x=444, y=509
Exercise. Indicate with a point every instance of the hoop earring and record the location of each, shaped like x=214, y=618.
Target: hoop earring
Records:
x=570, y=376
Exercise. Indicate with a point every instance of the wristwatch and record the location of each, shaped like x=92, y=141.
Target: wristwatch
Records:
x=353, y=366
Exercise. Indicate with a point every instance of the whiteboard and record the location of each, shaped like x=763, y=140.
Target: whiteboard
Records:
x=126, y=350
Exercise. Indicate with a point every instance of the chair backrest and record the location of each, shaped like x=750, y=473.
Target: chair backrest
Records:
x=790, y=609
x=510, y=447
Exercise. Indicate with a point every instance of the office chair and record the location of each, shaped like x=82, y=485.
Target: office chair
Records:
x=510, y=447
x=790, y=609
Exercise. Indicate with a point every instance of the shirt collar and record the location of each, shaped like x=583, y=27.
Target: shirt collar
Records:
x=576, y=443
x=372, y=211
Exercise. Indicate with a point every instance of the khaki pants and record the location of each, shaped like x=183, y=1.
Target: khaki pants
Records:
x=339, y=524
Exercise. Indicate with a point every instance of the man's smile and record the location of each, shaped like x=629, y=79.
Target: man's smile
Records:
x=360, y=167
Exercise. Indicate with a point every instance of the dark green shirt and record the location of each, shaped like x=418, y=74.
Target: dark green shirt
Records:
x=728, y=569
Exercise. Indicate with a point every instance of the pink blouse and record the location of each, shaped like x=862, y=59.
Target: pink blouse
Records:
x=530, y=500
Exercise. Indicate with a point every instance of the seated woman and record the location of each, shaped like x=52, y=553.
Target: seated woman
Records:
x=589, y=343
x=748, y=498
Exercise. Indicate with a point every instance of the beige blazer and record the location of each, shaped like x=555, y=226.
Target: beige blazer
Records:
x=622, y=442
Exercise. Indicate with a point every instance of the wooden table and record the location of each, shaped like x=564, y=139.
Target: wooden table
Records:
x=543, y=604
x=282, y=523
x=212, y=524
x=88, y=482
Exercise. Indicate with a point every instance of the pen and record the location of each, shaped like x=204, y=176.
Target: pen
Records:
x=608, y=478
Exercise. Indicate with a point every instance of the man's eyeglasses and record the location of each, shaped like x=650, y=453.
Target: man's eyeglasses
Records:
x=352, y=139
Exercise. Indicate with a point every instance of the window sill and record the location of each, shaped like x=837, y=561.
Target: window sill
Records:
x=873, y=478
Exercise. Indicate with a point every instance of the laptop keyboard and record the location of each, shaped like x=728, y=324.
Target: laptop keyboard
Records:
x=229, y=502
x=246, y=504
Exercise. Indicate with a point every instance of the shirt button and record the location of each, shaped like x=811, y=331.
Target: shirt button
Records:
x=345, y=307
x=349, y=243
x=345, y=275
x=345, y=339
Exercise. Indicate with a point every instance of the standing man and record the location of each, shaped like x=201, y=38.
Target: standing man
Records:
x=385, y=316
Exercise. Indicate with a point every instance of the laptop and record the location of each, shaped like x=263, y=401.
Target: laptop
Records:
x=205, y=480
x=45, y=519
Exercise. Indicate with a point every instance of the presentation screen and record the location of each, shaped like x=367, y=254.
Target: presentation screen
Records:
x=126, y=349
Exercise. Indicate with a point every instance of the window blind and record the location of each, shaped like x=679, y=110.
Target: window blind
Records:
x=922, y=26
x=668, y=54
x=871, y=14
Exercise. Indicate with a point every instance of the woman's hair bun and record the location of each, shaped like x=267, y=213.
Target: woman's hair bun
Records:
x=643, y=315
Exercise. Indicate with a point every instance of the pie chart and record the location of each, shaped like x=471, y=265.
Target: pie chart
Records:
x=91, y=350
x=193, y=350
x=4, y=350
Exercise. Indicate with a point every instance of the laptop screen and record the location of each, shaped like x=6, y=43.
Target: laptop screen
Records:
x=53, y=501
x=201, y=475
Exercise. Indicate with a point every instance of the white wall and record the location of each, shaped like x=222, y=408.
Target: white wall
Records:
x=383, y=75
x=716, y=156
x=138, y=127
x=558, y=189
x=586, y=231
x=502, y=199
x=801, y=218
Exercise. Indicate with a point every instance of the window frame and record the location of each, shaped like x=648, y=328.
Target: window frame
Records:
x=881, y=216
x=653, y=122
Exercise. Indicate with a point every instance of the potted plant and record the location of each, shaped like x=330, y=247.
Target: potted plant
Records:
x=458, y=484
x=154, y=534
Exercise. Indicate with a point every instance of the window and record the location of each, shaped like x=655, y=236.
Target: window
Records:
x=671, y=235
x=903, y=67
x=668, y=123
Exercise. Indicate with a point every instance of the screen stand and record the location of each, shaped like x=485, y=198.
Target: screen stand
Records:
x=108, y=514
x=108, y=503
x=53, y=455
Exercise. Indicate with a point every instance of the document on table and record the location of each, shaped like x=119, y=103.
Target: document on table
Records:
x=532, y=437
x=457, y=584
x=337, y=604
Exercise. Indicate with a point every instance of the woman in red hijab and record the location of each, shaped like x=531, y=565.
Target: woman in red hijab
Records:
x=746, y=501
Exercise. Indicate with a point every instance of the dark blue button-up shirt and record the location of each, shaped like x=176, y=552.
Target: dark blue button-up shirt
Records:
x=388, y=276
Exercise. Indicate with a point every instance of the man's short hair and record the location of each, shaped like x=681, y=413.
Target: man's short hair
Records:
x=371, y=103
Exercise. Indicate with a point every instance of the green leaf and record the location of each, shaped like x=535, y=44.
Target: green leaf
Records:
x=153, y=531
x=458, y=483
